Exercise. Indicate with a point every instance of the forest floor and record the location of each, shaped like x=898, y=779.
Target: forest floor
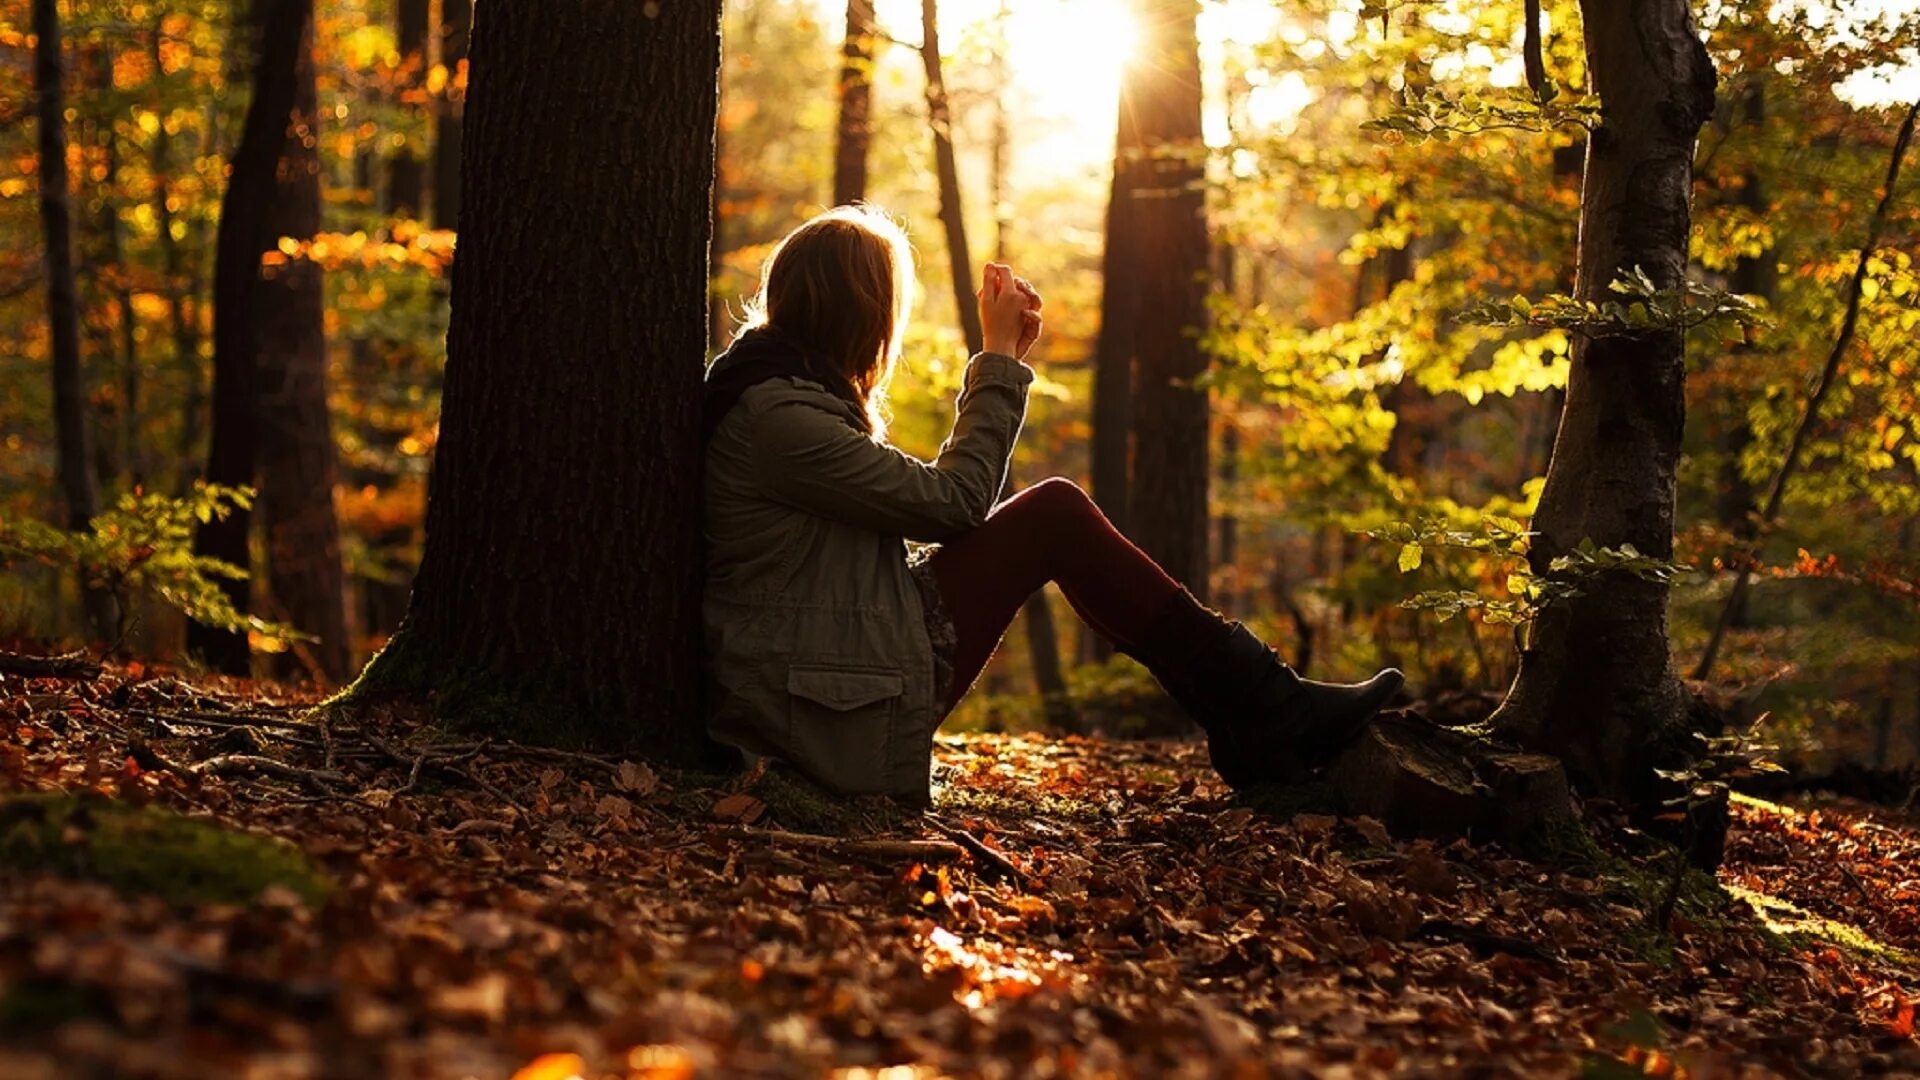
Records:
x=1069, y=907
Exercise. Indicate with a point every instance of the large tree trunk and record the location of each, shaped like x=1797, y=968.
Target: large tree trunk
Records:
x=1167, y=514
x=63, y=314
x=558, y=596
x=298, y=462
x=854, y=135
x=246, y=233
x=1596, y=686
x=1043, y=644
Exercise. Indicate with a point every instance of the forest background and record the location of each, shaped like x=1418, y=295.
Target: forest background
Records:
x=1369, y=174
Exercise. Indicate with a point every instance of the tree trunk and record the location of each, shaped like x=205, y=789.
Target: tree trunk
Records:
x=952, y=214
x=456, y=24
x=63, y=314
x=298, y=462
x=180, y=286
x=246, y=233
x=558, y=595
x=1043, y=642
x=1737, y=503
x=854, y=135
x=1113, y=352
x=1596, y=685
x=407, y=169
x=1119, y=289
x=1168, y=505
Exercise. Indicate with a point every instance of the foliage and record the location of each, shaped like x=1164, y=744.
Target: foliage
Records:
x=1645, y=308
x=143, y=546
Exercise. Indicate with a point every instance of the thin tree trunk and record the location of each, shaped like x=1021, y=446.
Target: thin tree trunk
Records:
x=952, y=214
x=1596, y=685
x=179, y=287
x=298, y=462
x=456, y=24
x=1113, y=355
x=570, y=611
x=63, y=313
x=854, y=133
x=1043, y=644
x=1168, y=505
x=407, y=191
x=246, y=233
x=1849, y=323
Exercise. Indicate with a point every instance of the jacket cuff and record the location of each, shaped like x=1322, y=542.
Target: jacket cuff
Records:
x=998, y=369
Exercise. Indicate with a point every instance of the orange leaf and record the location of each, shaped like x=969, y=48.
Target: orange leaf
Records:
x=553, y=1067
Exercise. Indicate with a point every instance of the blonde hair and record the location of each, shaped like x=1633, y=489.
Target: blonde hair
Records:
x=842, y=285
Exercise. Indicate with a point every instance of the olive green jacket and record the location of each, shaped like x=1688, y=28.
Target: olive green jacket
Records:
x=816, y=650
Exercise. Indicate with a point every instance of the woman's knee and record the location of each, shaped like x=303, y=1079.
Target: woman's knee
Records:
x=1057, y=496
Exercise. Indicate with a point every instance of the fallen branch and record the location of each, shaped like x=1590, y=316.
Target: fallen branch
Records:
x=995, y=865
x=73, y=665
x=317, y=780
x=922, y=850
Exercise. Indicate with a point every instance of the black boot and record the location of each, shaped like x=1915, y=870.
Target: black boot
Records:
x=1264, y=723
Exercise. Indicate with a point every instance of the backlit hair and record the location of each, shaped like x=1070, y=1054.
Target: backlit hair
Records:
x=842, y=285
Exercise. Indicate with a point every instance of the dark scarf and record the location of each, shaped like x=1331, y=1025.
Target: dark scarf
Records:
x=755, y=357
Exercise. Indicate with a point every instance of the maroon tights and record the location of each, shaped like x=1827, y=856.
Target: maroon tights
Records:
x=1050, y=532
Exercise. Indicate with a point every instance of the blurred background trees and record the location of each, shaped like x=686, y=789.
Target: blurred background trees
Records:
x=1256, y=222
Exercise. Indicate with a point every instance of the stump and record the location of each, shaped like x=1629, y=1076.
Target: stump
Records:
x=1422, y=779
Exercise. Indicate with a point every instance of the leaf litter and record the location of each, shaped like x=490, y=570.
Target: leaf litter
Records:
x=1070, y=907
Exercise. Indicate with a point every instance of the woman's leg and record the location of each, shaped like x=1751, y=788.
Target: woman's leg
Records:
x=1263, y=721
x=1050, y=532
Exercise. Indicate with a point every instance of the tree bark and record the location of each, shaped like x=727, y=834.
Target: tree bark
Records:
x=407, y=190
x=1596, y=685
x=558, y=595
x=180, y=286
x=63, y=314
x=1043, y=642
x=456, y=24
x=298, y=462
x=1119, y=290
x=854, y=135
x=952, y=214
x=246, y=233
x=1168, y=504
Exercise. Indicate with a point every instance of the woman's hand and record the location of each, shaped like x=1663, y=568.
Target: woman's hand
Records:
x=1004, y=311
x=1030, y=325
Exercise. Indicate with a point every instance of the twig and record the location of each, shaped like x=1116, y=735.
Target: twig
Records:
x=1848, y=323
x=925, y=850
x=170, y=721
x=1484, y=940
x=73, y=665
x=995, y=865
x=313, y=779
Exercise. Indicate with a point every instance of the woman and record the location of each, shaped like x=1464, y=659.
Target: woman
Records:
x=832, y=649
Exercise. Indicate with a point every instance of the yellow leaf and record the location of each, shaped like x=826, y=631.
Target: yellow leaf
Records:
x=1410, y=556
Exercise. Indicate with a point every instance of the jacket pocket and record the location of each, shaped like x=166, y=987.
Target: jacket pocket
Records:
x=840, y=723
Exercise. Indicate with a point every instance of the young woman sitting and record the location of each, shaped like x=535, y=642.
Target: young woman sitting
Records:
x=832, y=648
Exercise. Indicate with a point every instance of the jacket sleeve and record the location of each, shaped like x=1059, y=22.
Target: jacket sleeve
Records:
x=808, y=456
